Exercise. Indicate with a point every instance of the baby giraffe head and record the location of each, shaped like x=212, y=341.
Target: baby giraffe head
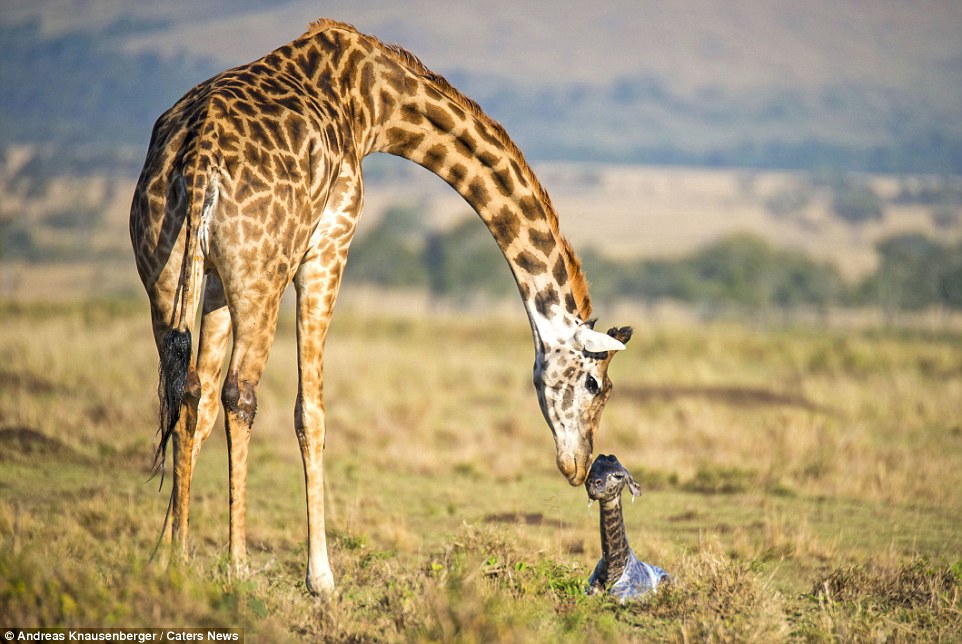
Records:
x=607, y=478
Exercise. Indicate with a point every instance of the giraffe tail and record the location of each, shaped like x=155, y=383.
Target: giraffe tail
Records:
x=175, y=353
x=175, y=350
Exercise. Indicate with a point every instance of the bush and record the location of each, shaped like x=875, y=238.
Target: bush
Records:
x=915, y=272
x=465, y=261
x=458, y=263
x=855, y=201
x=390, y=253
x=741, y=270
x=789, y=200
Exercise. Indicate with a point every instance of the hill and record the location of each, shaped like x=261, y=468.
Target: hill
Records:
x=745, y=83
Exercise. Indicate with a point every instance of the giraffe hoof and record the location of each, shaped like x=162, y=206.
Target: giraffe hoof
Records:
x=320, y=584
x=239, y=569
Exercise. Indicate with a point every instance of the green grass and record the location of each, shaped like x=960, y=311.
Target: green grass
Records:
x=799, y=483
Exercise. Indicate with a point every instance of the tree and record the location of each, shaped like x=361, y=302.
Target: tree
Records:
x=908, y=274
x=390, y=253
x=855, y=201
x=741, y=270
x=950, y=278
x=464, y=261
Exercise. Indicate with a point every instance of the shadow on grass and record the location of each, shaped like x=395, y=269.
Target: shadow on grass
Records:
x=19, y=443
x=728, y=395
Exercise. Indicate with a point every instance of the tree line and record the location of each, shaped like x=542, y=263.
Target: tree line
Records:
x=743, y=272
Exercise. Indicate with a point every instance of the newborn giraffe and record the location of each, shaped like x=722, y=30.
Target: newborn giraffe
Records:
x=619, y=571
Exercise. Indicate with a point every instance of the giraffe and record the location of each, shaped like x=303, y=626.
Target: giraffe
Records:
x=618, y=572
x=253, y=180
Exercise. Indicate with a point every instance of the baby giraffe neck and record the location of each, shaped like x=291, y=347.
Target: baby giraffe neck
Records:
x=614, y=539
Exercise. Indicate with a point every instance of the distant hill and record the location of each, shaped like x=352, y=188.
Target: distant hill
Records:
x=773, y=84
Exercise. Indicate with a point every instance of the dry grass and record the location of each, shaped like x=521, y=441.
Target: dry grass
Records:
x=799, y=483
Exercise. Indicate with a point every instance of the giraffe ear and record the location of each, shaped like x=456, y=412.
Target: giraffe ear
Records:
x=622, y=334
x=633, y=486
x=586, y=339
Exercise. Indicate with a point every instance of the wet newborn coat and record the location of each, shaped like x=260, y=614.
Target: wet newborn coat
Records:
x=619, y=572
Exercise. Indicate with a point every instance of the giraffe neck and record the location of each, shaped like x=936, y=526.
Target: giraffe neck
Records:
x=614, y=539
x=405, y=110
x=465, y=150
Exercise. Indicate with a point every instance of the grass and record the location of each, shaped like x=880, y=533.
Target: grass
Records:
x=800, y=483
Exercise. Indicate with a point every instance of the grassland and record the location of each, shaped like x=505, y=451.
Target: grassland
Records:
x=799, y=483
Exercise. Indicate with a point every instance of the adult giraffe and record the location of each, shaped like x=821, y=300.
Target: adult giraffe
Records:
x=253, y=179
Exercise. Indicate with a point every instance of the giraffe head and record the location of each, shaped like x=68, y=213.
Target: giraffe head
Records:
x=571, y=377
x=607, y=478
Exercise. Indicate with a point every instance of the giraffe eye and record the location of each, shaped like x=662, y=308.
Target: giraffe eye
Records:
x=592, y=386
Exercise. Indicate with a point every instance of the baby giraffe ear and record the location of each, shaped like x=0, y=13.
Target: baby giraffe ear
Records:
x=633, y=486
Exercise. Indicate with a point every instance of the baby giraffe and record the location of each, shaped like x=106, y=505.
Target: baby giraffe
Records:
x=618, y=572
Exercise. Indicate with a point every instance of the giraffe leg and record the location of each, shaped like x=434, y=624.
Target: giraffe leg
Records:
x=182, y=440
x=317, y=282
x=313, y=317
x=164, y=303
x=254, y=326
x=212, y=347
x=202, y=408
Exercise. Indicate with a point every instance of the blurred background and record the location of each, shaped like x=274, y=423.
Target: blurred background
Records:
x=705, y=157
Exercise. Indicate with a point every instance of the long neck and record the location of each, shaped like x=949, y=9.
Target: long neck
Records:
x=614, y=539
x=418, y=116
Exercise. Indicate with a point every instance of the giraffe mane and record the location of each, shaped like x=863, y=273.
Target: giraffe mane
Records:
x=576, y=276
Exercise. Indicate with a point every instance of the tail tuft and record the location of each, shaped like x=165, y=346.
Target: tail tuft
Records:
x=174, y=363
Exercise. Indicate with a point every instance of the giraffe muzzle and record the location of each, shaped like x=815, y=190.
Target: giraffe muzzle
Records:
x=574, y=467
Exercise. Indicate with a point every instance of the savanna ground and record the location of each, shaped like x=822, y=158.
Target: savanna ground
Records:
x=800, y=483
